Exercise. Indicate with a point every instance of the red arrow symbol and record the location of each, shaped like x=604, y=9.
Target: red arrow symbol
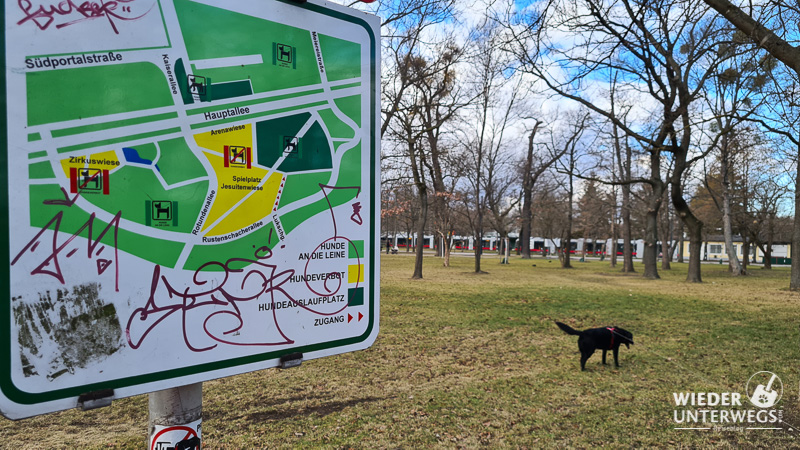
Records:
x=360, y=316
x=349, y=318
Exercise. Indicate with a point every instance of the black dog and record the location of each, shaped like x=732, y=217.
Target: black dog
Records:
x=605, y=339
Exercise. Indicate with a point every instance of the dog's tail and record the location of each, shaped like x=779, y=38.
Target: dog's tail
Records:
x=567, y=329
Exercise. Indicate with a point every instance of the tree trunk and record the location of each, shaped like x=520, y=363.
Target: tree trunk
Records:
x=664, y=247
x=625, y=178
x=565, y=261
x=664, y=231
x=745, y=252
x=613, y=254
x=650, y=257
x=585, y=249
x=695, y=245
x=527, y=198
x=674, y=242
x=770, y=241
x=695, y=230
x=767, y=257
x=423, y=213
x=693, y=225
x=794, y=282
x=627, y=235
x=478, y=251
x=727, y=226
x=478, y=235
x=440, y=243
x=447, y=248
x=441, y=211
x=422, y=191
x=420, y=247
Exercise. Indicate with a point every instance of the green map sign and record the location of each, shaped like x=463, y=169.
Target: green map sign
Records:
x=191, y=192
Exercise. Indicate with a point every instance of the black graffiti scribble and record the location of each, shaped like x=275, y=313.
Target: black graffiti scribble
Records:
x=70, y=12
x=51, y=265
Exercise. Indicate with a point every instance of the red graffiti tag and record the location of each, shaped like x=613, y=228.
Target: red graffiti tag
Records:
x=356, y=217
x=237, y=286
x=70, y=12
x=51, y=265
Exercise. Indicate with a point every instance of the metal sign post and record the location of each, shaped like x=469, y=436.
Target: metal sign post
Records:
x=176, y=418
x=175, y=210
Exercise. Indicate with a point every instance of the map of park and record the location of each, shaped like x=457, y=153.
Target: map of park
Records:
x=198, y=146
x=191, y=194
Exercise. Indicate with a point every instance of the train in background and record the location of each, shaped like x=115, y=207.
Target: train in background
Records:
x=538, y=245
x=597, y=247
x=402, y=242
x=713, y=249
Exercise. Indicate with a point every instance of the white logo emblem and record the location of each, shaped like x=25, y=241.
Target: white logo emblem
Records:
x=764, y=389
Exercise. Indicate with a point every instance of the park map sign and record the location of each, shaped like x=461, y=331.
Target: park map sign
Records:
x=191, y=192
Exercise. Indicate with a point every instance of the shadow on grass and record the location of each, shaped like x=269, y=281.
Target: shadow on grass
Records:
x=322, y=409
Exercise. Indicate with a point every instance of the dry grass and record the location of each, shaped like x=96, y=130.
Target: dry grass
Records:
x=468, y=360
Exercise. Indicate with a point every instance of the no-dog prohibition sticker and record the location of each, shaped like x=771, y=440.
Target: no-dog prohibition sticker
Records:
x=179, y=437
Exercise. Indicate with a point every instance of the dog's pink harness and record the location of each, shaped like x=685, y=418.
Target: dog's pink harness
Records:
x=613, y=332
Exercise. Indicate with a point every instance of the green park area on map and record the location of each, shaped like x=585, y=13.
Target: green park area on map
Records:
x=171, y=162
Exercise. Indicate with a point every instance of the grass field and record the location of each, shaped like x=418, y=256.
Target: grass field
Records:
x=465, y=360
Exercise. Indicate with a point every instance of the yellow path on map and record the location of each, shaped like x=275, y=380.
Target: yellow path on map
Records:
x=230, y=179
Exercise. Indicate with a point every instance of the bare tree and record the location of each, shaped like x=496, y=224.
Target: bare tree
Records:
x=429, y=99
x=412, y=63
x=594, y=214
x=613, y=201
x=623, y=176
x=551, y=220
x=440, y=98
x=534, y=166
x=569, y=143
x=484, y=135
x=663, y=51
x=761, y=33
x=666, y=232
x=732, y=96
x=405, y=24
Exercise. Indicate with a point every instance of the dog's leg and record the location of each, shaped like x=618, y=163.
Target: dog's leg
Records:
x=616, y=356
x=604, y=357
x=584, y=357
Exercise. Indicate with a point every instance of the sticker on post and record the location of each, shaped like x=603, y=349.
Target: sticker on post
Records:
x=177, y=437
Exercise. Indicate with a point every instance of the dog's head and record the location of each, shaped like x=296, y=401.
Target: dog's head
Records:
x=625, y=336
